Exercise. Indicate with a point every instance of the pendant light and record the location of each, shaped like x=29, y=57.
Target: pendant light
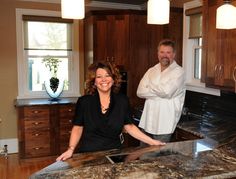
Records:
x=226, y=16
x=158, y=11
x=72, y=9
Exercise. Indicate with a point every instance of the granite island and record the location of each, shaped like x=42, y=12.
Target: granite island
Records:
x=211, y=157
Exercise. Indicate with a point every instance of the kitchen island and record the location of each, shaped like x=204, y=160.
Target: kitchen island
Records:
x=211, y=157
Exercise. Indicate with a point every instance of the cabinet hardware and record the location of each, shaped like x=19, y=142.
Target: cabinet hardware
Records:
x=70, y=110
x=36, y=112
x=221, y=71
x=37, y=123
x=234, y=74
x=216, y=71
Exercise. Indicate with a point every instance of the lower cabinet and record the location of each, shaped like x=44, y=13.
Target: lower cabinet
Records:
x=44, y=130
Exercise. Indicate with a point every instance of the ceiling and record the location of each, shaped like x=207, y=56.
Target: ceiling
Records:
x=173, y=3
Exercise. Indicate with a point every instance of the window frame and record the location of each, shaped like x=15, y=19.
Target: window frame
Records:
x=22, y=63
x=192, y=84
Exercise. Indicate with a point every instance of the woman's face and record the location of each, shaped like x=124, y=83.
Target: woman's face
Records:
x=103, y=80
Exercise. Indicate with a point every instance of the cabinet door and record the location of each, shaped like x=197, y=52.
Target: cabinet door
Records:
x=110, y=38
x=220, y=51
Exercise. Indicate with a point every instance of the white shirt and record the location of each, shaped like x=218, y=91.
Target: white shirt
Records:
x=164, y=93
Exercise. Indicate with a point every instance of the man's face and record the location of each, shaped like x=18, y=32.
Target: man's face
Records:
x=166, y=55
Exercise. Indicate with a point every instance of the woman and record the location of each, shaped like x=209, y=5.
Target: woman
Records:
x=102, y=114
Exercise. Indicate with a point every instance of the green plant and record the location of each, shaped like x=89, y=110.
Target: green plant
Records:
x=52, y=64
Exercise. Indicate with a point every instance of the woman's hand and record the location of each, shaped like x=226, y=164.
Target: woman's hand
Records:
x=67, y=154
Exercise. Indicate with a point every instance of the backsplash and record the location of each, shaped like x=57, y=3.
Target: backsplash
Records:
x=211, y=106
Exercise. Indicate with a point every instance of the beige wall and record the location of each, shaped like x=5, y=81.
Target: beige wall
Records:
x=8, y=62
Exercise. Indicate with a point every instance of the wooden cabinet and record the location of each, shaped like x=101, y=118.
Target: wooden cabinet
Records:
x=66, y=114
x=125, y=37
x=44, y=129
x=182, y=135
x=219, y=50
x=35, y=123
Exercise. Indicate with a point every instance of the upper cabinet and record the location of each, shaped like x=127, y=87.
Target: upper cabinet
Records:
x=219, y=50
x=125, y=37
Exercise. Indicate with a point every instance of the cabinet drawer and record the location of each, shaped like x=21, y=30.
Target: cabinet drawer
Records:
x=65, y=133
x=66, y=122
x=36, y=112
x=37, y=136
x=37, y=151
x=36, y=124
x=67, y=111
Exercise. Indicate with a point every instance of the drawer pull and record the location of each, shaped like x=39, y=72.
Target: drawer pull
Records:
x=37, y=148
x=37, y=123
x=70, y=121
x=36, y=134
x=36, y=112
x=70, y=110
x=234, y=74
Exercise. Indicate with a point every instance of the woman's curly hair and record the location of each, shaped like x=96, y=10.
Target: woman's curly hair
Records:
x=111, y=69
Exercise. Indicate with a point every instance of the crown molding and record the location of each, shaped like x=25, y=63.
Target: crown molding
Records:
x=98, y=4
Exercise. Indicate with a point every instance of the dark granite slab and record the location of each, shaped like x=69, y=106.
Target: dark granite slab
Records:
x=46, y=101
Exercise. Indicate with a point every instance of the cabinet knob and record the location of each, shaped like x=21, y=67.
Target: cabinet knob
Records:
x=36, y=148
x=36, y=123
x=36, y=112
x=70, y=110
x=70, y=121
x=36, y=134
x=216, y=71
x=221, y=71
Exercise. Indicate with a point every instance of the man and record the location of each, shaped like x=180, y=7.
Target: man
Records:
x=163, y=88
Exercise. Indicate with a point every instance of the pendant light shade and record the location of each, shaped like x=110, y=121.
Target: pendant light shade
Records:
x=72, y=9
x=158, y=11
x=226, y=16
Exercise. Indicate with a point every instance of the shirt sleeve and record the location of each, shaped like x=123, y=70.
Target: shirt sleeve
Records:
x=144, y=90
x=79, y=115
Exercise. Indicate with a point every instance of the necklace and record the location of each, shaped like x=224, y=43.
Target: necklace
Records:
x=104, y=108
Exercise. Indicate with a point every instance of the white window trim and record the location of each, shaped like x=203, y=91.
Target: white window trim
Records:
x=188, y=56
x=23, y=92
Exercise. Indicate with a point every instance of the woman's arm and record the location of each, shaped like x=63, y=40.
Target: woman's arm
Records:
x=138, y=134
x=75, y=136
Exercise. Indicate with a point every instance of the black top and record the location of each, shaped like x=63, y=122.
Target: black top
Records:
x=101, y=131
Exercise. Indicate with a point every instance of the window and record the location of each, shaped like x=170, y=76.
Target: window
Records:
x=197, y=59
x=40, y=37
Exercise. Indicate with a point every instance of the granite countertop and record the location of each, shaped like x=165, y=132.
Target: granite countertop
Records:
x=211, y=157
x=46, y=101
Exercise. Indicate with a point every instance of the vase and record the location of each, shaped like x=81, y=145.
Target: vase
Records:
x=52, y=89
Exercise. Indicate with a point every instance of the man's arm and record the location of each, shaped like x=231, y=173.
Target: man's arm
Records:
x=168, y=89
x=144, y=90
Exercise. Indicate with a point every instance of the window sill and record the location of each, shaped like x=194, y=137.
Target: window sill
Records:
x=201, y=88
